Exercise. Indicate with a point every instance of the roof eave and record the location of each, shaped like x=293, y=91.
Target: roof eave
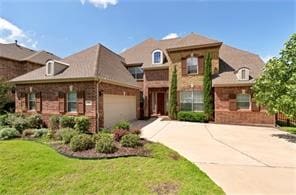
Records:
x=218, y=44
x=233, y=84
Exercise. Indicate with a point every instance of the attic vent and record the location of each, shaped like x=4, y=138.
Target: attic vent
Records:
x=49, y=68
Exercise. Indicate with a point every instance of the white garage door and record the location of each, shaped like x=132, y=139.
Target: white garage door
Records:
x=118, y=107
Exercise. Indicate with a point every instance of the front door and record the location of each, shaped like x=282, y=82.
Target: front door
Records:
x=160, y=103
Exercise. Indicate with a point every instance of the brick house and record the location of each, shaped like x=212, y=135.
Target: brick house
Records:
x=234, y=71
x=92, y=82
x=16, y=60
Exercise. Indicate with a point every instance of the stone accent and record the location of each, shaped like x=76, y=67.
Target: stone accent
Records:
x=227, y=112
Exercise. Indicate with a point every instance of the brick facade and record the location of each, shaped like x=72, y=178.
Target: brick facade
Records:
x=52, y=99
x=227, y=112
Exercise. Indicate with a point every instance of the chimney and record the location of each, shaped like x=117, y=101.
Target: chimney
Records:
x=15, y=42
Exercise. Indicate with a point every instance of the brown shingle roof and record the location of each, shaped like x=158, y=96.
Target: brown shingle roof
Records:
x=17, y=52
x=96, y=61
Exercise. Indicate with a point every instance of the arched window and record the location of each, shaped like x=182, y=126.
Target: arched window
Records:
x=243, y=74
x=192, y=65
x=157, y=57
x=49, y=68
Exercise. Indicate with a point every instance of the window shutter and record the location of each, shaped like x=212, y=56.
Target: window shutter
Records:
x=254, y=106
x=80, y=102
x=38, y=102
x=184, y=66
x=24, y=102
x=201, y=65
x=62, y=102
x=232, y=102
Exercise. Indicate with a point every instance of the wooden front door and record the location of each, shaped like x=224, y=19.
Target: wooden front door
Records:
x=160, y=103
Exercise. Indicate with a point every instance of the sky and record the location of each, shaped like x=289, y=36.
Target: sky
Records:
x=64, y=27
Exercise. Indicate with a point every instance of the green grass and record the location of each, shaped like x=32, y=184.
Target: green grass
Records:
x=28, y=167
x=289, y=129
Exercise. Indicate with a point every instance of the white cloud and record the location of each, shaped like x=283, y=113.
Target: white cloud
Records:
x=170, y=36
x=266, y=58
x=100, y=3
x=9, y=32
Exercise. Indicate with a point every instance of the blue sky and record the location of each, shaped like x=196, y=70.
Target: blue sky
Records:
x=67, y=26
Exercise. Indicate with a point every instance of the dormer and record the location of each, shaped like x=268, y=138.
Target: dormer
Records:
x=54, y=67
x=243, y=74
x=157, y=57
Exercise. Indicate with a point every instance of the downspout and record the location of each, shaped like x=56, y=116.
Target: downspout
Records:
x=97, y=105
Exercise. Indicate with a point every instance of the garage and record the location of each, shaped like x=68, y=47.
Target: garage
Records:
x=119, y=107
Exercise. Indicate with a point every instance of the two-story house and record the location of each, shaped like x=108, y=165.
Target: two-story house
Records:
x=234, y=71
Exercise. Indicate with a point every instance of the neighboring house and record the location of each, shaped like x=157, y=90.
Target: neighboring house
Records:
x=234, y=71
x=16, y=60
x=93, y=82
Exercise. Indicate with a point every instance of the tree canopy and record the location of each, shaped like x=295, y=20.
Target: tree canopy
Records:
x=276, y=88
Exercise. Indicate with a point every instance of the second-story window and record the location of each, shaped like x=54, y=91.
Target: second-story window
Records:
x=157, y=57
x=192, y=65
x=136, y=71
x=49, y=68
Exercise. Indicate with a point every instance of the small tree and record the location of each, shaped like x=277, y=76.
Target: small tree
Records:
x=276, y=88
x=207, y=87
x=4, y=93
x=173, y=96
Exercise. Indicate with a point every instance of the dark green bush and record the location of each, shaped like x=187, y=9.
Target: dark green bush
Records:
x=82, y=124
x=67, y=122
x=67, y=134
x=105, y=143
x=130, y=140
x=20, y=123
x=35, y=121
x=3, y=120
x=105, y=130
x=54, y=122
x=122, y=125
x=81, y=142
x=192, y=116
x=8, y=133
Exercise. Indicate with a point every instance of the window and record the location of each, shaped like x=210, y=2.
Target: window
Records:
x=192, y=65
x=243, y=101
x=243, y=74
x=32, y=101
x=191, y=101
x=136, y=71
x=49, y=68
x=157, y=57
x=72, y=101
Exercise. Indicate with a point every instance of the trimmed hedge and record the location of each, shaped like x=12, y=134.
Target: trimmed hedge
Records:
x=130, y=140
x=67, y=121
x=192, y=116
x=82, y=124
x=105, y=143
x=8, y=133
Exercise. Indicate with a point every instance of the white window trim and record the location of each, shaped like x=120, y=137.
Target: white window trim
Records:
x=249, y=97
x=161, y=56
x=51, y=64
x=70, y=102
x=30, y=101
x=240, y=74
x=197, y=70
x=192, y=100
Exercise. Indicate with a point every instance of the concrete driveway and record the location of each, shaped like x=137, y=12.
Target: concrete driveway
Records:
x=240, y=159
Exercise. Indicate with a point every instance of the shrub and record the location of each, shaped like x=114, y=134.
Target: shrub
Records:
x=119, y=133
x=192, y=116
x=105, y=130
x=20, y=123
x=122, y=125
x=67, y=122
x=51, y=134
x=82, y=124
x=3, y=120
x=28, y=133
x=130, y=140
x=54, y=122
x=105, y=143
x=67, y=134
x=35, y=121
x=40, y=132
x=81, y=142
x=8, y=133
x=136, y=131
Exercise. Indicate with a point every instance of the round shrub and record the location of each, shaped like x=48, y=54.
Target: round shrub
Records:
x=119, y=133
x=130, y=140
x=122, y=125
x=82, y=124
x=67, y=122
x=105, y=143
x=20, y=123
x=54, y=122
x=8, y=133
x=67, y=134
x=40, y=132
x=35, y=121
x=3, y=120
x=81, y=142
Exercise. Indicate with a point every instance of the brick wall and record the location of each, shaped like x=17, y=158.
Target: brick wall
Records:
x=10, y=69
x=227, y=113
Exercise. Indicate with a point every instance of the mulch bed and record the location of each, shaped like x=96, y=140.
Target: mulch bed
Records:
x=93, y=154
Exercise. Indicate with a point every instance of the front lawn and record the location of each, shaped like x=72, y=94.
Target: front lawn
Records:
x=28, y=167
x=289, y=129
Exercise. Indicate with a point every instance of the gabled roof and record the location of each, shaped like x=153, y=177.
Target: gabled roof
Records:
x=19, y=53
x=91, y=63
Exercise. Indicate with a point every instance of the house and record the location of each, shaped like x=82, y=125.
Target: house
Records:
x=92, y=82
x=16, y=60
x=234, y=71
